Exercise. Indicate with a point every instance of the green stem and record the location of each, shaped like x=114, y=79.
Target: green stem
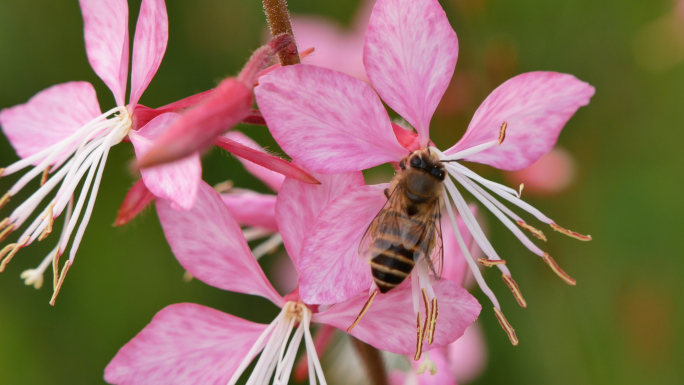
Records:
x=279, y=22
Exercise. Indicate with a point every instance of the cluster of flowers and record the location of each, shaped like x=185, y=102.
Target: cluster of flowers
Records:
x=333, y=126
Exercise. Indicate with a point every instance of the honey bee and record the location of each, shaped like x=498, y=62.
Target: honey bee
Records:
x=408, y=226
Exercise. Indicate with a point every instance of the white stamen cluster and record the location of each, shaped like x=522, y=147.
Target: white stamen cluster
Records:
x=85, y=150
x=280, y=351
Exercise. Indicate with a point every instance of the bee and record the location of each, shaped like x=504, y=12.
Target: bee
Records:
x=408, y=226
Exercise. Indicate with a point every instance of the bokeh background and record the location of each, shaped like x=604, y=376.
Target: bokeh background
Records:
x=621, y=324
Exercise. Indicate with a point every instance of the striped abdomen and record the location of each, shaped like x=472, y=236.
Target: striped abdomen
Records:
x=390, y=265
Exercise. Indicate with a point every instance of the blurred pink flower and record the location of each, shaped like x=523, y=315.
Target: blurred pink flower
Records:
x=334, y=123
x=551, y=174
x=62, y=128
x=188, y=343
x=334, y=46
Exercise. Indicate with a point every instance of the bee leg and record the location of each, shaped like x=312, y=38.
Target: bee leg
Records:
x=387, y=193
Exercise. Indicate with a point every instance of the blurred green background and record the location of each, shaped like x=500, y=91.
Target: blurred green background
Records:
x=621, y=324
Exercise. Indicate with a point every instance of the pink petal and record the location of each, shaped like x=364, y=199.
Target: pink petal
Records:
x=299, y=204
x=209, y=244
x=49, y=117
x=137, y=198
x=197, y=130
x=265, y=160
x=106, y=40
x=252, y=209
x=270, y=178
x=410, y=56
x=185, y=344
x=329, y=121
x=330, y=267
x=536, y=106
x=443, y=375
x=176, y=181
x=142, y=114
x=390, y=323
x=468, y=355
x=149, y=45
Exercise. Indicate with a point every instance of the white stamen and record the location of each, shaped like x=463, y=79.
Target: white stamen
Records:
x=469, y=259
x=472, y=150
x=497, y=187
x=254, y=233
x=268, y=246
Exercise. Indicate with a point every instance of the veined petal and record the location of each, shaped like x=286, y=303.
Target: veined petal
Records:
x=330, y=267
x=149, y=45
x=299, y=204
x=106, y=40
x=252, y=209
x=137, y=198
x=49, y=117
x=176, y=181
x=410, y=55
x=327, y=120
x=185, y=344
x=390, y=322
x=209, y=244
x=535, y=106
x=270, y=178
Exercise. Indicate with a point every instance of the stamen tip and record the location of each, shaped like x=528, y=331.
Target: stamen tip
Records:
x=536, y=232
x=506, y=327
x=571, y=233
x=556, y=269
x=502, y=132
x=490, y=262
x=3, y=201
x=515, y=289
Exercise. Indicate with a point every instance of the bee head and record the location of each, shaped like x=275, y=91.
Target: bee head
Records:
x=425, y=162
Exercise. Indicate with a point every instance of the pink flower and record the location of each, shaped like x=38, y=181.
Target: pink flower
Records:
x=334, y=123
x=187, y=343
x=551, y=174
x=62, y=130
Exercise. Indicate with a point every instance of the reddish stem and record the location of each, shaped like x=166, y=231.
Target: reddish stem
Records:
x=279, y=22
x=370, y=356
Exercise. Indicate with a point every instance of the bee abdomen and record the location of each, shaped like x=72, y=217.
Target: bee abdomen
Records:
x=391, y=266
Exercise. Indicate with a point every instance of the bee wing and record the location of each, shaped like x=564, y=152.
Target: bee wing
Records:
x=385, y=221
x=425, y=231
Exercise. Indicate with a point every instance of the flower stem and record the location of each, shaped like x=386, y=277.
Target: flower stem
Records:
x=279, y=22
x=370, y=356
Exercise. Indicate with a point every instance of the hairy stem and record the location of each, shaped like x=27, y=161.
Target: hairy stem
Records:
x=370, y=356
x=279, y=22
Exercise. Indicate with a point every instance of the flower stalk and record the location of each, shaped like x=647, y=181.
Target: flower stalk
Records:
x=279, y=22
x=370, y=356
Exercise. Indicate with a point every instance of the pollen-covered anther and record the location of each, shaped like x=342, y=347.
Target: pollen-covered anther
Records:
x=50, y=221
x=520, y=189
x=515, y=289
x=502, y=132
x=2, y=171
x=419, y=337
x=9, y=251
x=4, y=223
x=536, y=232
x=429, y=365
x=363, y=311
x=5, y=230
x=556, y=269
x=506, y=327
x=433, y=322
x=60, y=282
x=45, y=175
x=490, y=262
x=570, y=233
x=3, y=201
x=224, y=187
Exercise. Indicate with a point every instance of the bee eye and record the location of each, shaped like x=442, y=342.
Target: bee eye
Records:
x=402, y=164
x=439, y=174
x=416, y=161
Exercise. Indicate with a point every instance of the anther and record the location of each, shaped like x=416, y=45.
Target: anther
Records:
x=50, y=220
x=4, y=223
x=224, y=187
x=3, y=201
x=502, y=132
x=44, y=178
x=2, y=171
x=556, y=269
x=506, y=327
x=429, y=365
x=536, y=232
x=419, y=338
x=6, y=232
x=490, y=262
x=55, y=270
x=60, y=282
x=428, y=312
x=520, y=189
x=433, y=323
x=363, y=311
x=10, y=250
x=570, y=233
x=515, y=289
